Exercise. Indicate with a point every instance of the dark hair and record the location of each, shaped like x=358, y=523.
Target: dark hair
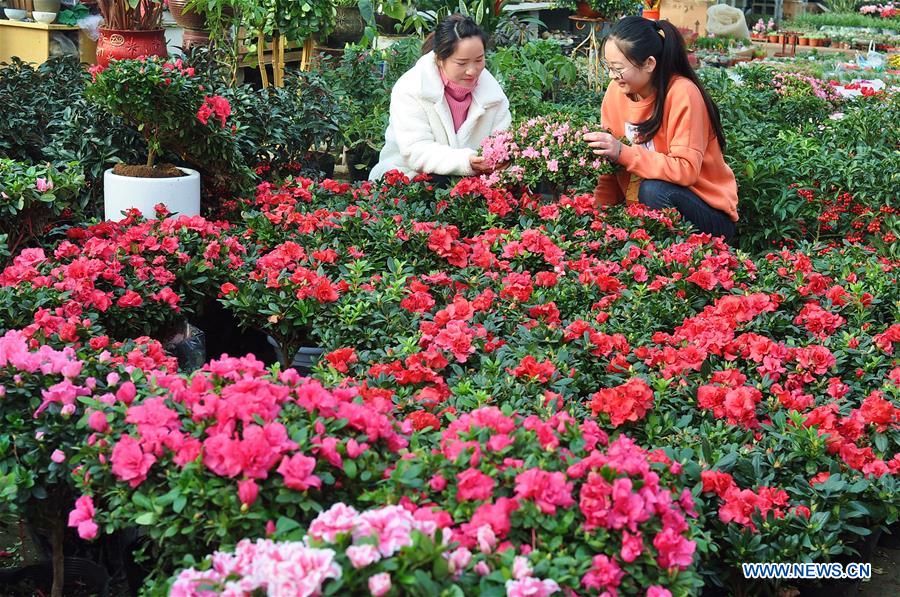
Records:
x=445, y=37
x=639, y=39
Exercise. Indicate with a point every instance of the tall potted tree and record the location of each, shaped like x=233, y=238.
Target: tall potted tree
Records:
x=131, y=29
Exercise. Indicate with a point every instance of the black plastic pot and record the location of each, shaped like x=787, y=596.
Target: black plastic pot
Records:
x=188, y=345
x=303, y=361
x=890, y=539
x=82, y=577
x=360, y=164
x=843, y=587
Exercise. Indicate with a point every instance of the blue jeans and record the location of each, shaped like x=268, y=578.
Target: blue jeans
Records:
x=659, y=194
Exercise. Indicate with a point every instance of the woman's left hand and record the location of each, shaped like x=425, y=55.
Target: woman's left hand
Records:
x=604, y=145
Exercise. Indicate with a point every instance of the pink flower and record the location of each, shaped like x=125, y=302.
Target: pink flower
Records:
x=43, y=185
x=674, y=549
x=379, y=584
x=604, y=574
x=437, y=483
x=657, y=591
x=632, y=546
x=531, y=587
x=487, y=540
x=338, y=519
x=58, y=456
x=459, y=559
x=82, y=517
x=363, y=555
x=628, y=507
x=553, y=166
x=391, y=525
x=297, y=472
x=248, y=490
x=482, y=568
x=521, y=568
x=474, y=485
x=97, y=421
x=129, y=462
x=548, y=490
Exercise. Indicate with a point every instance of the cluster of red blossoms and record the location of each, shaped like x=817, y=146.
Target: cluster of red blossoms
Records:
x=214, y=105
x=628, y=402
x=740, y=505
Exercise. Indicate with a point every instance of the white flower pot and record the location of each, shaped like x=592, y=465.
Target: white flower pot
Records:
x=180, y=195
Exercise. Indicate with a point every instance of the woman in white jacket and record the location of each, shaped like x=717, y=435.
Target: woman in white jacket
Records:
x=444, y=106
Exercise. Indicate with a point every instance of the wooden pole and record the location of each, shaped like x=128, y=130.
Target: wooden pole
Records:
x=260, y=56
x=279, y=57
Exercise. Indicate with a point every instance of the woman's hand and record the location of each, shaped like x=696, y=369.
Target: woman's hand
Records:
x=604, y=145
x=478, y=165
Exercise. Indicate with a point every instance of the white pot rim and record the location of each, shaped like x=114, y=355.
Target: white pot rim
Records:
x=190, y=174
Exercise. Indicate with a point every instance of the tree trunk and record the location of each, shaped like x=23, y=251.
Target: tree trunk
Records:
x=58, y=561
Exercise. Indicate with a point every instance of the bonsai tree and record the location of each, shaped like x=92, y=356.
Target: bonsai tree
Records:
x=171, y=108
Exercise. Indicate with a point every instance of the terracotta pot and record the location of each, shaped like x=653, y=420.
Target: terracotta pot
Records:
x=804, y=41
x=194, y=38
x=128, y=45
x=653, y=15
x=773, y=39
x=585, y=10
x=186, y=19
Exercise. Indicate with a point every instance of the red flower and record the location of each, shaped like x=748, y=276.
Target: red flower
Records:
x=517, y=286
x=818, y=321
x=878, y=411
x=214, y=104
x=341, y=358
x=529, y=367
x=819, y=479
x=130, y=299
x=227, y=288
x=628, y=402
x=423, y=420
x=717, y=482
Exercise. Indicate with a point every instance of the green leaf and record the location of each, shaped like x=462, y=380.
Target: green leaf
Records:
x=147, y=518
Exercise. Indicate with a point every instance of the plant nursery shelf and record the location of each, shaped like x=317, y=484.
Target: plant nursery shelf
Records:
x=31, y=41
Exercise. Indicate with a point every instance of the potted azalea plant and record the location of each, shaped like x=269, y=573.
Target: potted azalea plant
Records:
x=168, y=105
x=546, y=150
x=131, y=29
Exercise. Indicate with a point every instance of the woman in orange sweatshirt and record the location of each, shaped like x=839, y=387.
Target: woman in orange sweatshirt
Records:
x=657, y=102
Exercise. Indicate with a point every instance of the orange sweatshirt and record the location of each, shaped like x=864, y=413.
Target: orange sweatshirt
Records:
x=687, y=152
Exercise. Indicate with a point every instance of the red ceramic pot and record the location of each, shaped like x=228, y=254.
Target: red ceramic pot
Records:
x=127, y=45
x=583, y=9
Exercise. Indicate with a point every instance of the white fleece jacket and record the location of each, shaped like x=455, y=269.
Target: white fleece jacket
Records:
x=420, y=135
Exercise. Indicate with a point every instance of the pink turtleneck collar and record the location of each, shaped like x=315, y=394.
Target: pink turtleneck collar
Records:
x=459, y=98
